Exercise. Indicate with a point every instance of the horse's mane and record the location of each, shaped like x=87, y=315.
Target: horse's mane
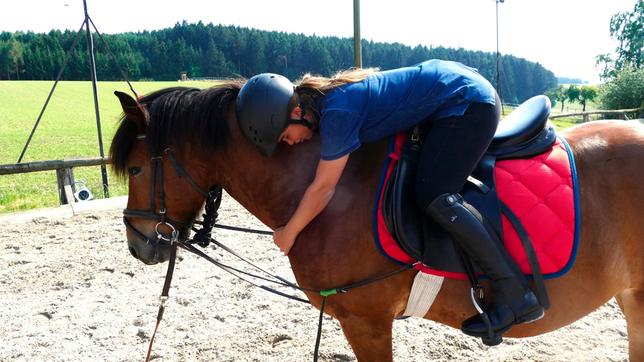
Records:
x=177, y=115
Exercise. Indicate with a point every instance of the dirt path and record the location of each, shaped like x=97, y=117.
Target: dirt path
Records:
x=70, y=291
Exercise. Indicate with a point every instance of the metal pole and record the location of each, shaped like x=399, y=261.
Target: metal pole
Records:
x=498, y=54
x=92, y=69
x=357, y=46
x=497, y=45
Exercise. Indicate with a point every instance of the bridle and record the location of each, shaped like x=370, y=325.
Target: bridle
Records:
x=178, y=229
x=178, y=235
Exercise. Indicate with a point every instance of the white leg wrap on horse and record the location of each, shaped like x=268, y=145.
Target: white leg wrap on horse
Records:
x=423, y=293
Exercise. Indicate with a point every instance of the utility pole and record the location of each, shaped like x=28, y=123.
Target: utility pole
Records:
x=498, y=54
x=357, y=45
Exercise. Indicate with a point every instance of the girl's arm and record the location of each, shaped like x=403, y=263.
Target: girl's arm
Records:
x=315, y=199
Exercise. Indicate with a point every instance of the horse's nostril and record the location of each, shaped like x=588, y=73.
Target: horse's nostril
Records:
x=133, y=252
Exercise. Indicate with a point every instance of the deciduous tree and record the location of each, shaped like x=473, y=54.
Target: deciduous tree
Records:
x=560, y=94
x=627, y=28
x=625, y=91
x=572, y=93
x=586, y=94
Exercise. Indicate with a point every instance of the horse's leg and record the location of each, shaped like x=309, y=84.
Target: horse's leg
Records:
x=370, y=338
x=631, y=301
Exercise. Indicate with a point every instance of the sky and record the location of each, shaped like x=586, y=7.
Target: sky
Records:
x=564, y=36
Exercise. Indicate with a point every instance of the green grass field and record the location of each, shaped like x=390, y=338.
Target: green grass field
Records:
x=67, y=130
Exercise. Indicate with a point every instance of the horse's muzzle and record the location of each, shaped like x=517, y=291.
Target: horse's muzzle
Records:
x=147, y=253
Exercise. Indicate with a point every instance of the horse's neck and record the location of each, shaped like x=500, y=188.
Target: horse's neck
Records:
x=268, y=187
x=271, y=187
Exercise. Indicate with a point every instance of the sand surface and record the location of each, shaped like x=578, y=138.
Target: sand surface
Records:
x=70, y=291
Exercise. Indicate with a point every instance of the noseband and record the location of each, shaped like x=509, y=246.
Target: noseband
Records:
x=181, y=230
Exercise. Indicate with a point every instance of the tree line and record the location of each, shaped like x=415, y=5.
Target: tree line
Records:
x=207, y=50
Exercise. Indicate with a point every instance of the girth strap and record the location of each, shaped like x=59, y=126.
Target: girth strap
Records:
x=539, y=285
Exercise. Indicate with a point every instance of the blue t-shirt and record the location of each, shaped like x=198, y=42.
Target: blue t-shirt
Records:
x=388, y=102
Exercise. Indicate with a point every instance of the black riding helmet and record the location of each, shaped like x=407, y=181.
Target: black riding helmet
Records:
x=262, y=109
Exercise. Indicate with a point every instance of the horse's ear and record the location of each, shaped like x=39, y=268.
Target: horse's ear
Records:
x=133, y=110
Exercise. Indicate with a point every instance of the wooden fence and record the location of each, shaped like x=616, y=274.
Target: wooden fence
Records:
x=621, y=113
x=64, y=173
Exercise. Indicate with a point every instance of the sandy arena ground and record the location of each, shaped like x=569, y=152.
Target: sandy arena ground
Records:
x=70, y=291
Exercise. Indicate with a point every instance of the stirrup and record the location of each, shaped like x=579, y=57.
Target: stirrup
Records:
x=491, y=338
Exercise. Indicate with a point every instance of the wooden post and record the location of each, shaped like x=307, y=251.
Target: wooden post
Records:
x=65, y=179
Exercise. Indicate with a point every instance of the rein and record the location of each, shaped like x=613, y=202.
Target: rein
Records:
x=283, y=282
x=178, y=237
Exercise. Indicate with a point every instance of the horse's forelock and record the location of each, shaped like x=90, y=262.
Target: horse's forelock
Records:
x=122, y=145
x=127, y=132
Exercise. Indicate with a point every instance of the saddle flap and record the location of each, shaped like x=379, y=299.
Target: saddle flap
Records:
x=399, y=205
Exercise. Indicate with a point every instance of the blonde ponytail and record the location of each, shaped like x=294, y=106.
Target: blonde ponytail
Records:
x=323, y=84
x=310, y=87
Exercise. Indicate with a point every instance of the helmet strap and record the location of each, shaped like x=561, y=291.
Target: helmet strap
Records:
x=302, y=122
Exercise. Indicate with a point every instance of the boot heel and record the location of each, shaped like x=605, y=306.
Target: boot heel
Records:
x=531, y=317
x=494, y=341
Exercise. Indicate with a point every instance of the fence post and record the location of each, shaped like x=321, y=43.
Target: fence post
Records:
x=65, y=180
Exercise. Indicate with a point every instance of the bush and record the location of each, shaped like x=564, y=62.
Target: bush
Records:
x=624, y=91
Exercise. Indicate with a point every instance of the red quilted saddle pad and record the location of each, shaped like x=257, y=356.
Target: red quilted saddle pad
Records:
x=541, y=191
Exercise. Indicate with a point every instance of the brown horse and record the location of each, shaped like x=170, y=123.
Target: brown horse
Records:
x=337, y=248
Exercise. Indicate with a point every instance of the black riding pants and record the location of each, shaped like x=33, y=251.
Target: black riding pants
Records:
x=451, y=149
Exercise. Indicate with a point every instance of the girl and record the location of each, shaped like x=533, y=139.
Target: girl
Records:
x=459, y=113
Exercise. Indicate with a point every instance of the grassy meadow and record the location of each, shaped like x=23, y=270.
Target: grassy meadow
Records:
x=66, y=130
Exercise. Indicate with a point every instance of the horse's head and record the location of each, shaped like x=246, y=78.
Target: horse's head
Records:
x=157, y=147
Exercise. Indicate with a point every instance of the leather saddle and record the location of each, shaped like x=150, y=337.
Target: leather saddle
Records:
x=522, y=134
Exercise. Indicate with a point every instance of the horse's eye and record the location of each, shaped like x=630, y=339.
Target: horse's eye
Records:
x=134, y=171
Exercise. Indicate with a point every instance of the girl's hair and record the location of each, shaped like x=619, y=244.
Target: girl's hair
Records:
x=310, y=87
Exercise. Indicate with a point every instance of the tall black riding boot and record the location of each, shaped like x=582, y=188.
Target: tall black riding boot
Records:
x=513, y=302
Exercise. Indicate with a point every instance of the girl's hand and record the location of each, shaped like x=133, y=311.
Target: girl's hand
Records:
x=283, y=239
